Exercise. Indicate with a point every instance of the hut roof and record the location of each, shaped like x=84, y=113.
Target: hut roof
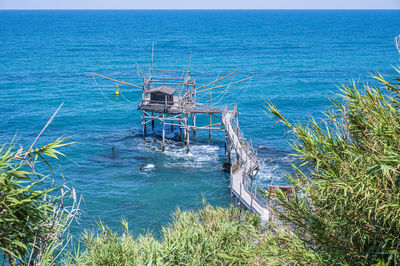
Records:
x=163, y=89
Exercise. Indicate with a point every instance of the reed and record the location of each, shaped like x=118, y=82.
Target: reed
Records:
x=348, y=169
x=209, y=236
x=33, y=219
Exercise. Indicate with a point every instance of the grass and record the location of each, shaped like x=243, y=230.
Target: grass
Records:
x=209, y=236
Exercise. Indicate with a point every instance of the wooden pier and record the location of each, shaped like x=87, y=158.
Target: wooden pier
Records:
x=171, y=97
x=244, y=169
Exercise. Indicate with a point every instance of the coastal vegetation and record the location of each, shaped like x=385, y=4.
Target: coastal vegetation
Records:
x=209, y=236
x=34, y=216
x=348, y=169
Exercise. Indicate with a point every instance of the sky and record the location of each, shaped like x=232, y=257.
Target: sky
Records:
x=200, y=4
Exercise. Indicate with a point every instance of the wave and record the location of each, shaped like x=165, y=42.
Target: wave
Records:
x=273, y=170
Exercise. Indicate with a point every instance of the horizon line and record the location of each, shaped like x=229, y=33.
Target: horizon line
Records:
x=197, y=9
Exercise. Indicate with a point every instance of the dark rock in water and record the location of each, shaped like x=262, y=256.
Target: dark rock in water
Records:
x=226, y=167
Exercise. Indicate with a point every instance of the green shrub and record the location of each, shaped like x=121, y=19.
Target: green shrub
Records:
x=348, y=169
x=210, y=236
x=32, y=220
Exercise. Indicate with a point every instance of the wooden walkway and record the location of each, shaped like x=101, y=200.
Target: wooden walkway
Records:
x=245, y=169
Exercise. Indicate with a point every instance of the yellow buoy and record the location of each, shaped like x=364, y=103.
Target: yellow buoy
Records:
x=116, y=91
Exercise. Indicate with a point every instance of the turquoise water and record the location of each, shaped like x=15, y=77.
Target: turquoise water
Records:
x=297, y=59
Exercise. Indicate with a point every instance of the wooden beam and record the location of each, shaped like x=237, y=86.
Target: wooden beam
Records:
x=207, y=126
x=118, y=81
x=141, y=73
x=220, y=86
x=203, y=86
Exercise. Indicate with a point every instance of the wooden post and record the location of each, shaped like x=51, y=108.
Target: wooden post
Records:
x=152, y=121
x=172, y=126
x=187, y=142
x=186, y=131
x=225, y=147
x=180, y=131
x=144, y=126
x=163, y=134
x=209, y=131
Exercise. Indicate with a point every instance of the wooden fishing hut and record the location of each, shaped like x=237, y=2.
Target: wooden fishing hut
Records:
x=172, y=101
x=170, y=96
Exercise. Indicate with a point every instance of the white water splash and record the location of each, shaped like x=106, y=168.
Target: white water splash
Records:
x=274, y=170
x=149, y=166
x=199, y=156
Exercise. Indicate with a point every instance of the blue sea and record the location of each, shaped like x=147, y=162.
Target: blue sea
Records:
x=298, y=60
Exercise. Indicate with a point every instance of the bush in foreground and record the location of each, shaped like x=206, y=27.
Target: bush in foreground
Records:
x=32, y=219
x=210, y=236
x=348, y=168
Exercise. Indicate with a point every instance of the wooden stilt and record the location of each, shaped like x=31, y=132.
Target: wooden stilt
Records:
x=187, y=142
x=144, y=126
x=172, y=126
x=225, y=148
x=186, y=131
x=152, y=121
x=209, y=131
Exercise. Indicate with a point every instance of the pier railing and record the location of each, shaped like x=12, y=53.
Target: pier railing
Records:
x=247, y=165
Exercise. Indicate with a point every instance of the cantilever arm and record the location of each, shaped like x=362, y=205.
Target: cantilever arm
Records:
x=138, y=68
x=122, y=82
x=220, y=86
x=216, y=80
